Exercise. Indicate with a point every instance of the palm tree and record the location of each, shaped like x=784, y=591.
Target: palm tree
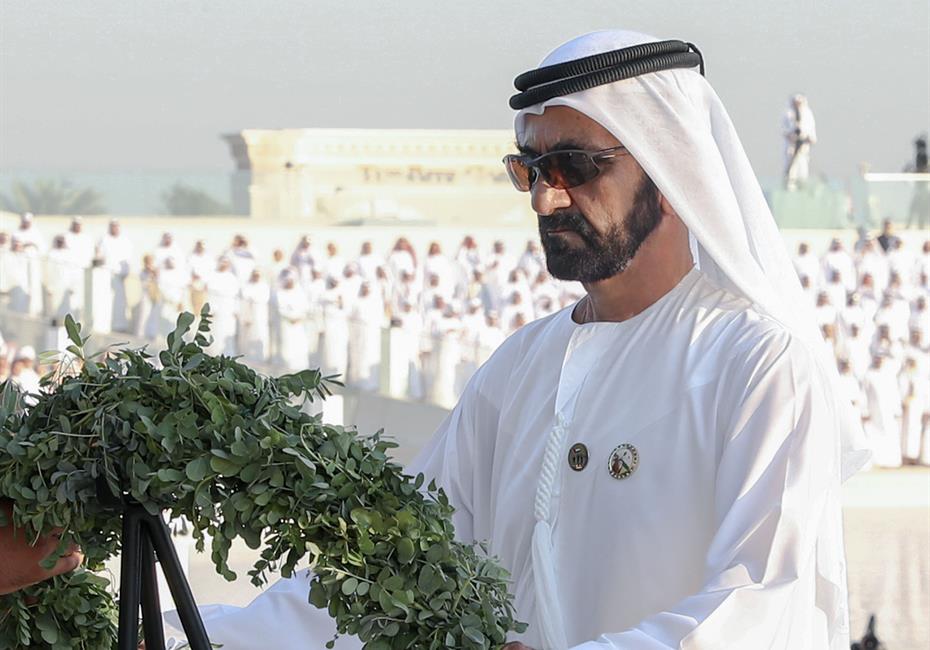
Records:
x=51, y=196
x=183, y=199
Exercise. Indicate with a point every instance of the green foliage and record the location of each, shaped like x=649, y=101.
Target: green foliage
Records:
x=210, y=439
x=185, y=200
x=50, y=196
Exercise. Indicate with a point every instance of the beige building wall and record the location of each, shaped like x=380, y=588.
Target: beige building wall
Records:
x=349, y=176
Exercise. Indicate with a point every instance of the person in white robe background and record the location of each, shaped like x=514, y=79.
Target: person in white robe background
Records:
x=366, y=320
x=838, y=259
x=255, y=328
x=79, y=243
x=410, y=324
x=368, y=262
x=29, y=235
x=883, y=412
x=146, y=312
x=915, y=395
x=333, y=264
x=115, y=253
x=334, y=340
x=304, y=259
x=62, y=278
x=173, y=290
x=469, y=255
x=241, y=259
x=315, y=291
x=223, y=295
x=691, y=358
x=806, y=264
x=199, y=261
x=800, y=133
x=872, y=262
x=293, y=309
x=167, y=248
x=401, y=260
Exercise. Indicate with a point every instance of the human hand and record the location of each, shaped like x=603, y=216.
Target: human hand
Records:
x=19, y=558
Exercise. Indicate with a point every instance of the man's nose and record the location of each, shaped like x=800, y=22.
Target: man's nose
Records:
x=546, y=199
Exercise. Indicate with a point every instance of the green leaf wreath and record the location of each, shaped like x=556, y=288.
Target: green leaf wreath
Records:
x=210, y=439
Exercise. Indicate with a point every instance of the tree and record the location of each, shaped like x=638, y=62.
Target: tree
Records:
x=183, y=199
x=52, y=196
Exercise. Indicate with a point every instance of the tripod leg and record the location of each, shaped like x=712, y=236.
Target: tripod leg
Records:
x=151, y=607
x=177, y=583
x=130, y=588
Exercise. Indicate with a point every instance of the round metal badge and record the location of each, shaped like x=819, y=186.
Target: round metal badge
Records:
x=578, y=457
x=623, y=461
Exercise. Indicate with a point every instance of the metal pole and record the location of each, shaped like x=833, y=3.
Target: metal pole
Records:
x=152, y=624
x=130, y=588
x=180, y=591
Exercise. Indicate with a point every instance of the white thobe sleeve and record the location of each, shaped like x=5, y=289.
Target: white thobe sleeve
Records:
x=460, y=455
x=776, y=489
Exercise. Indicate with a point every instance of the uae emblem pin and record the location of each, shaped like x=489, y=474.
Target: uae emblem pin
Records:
x=623, y=461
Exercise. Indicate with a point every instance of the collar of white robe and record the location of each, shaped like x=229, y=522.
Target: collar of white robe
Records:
x=598, y=69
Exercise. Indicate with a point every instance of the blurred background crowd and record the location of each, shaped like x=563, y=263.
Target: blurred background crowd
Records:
x=438, y=314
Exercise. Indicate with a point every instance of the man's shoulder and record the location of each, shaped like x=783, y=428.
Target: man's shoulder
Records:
x=526, y=341
x=743, y=331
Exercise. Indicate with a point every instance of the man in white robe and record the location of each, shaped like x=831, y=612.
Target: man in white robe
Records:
x=167, y=248
x=304, y=258
x=334, y=341
x=838, y=259
x=173, y=294
x=532, y=262
x=199, y=262
x=79, y=243
x=145, y=312
x=883, y=412
x=333, y=264
x=800, y=133
x=872, y=261
x=254, y=326
x=468, y=255
x=29, y=235
x=293, y=309
x=15, y=273
x=366, y=320
x=410, y=324
x=368, y=262
x=699, y=506
x=115, y=253
x=807, y=264
x=402, y=259
x=62, y=281
x=915, y=395
x=223, y=295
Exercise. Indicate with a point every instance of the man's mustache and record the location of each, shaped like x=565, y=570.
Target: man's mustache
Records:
x=572, y=221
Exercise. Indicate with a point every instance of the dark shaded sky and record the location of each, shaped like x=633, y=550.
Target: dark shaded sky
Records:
x=126, y=84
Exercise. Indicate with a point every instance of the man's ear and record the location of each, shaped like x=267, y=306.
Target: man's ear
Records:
x=665, y=207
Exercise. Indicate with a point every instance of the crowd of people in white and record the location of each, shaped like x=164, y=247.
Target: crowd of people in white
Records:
x=442, y=315
x=304, y=307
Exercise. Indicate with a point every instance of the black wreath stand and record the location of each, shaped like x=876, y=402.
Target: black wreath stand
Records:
x=146, y=537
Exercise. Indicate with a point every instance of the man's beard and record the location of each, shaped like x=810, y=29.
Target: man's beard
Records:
x=605, y=255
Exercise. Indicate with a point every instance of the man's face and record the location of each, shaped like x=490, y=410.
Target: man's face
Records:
x=590, y=232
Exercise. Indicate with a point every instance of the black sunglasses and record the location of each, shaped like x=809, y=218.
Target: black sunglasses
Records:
x=560, y=169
